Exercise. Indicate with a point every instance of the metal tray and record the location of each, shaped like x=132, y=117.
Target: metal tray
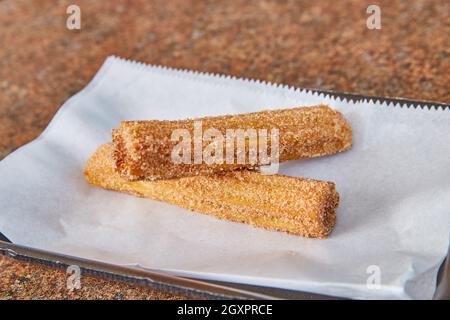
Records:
x=212, y=289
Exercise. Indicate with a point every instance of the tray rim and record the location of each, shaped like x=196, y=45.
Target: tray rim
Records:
x=148, y=278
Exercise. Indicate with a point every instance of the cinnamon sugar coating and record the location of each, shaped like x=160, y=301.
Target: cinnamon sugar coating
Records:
x=298, y=206
x=143, y=148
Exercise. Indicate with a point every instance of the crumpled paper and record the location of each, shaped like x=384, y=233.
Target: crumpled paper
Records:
x=393, y=222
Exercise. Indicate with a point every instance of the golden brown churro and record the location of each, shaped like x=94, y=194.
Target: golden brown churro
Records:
x=143, y=149
x=299, y=206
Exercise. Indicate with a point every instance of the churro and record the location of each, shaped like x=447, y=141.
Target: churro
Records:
x=295, y=205
x=144, y=150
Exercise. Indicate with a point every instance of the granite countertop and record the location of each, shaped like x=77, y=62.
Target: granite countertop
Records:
x=315, y=44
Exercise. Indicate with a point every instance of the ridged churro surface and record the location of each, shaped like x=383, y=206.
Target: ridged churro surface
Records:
x=143, y=149
x=299, y=206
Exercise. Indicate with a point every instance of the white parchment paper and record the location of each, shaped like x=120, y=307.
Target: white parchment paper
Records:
x=392, y=224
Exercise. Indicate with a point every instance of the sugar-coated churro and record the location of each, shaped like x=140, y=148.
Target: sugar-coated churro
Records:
x=299, y=206
x=144, y=149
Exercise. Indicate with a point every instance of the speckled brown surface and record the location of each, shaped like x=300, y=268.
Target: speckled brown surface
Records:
x=21, y=280
x=318, y=44
x=143, y=148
